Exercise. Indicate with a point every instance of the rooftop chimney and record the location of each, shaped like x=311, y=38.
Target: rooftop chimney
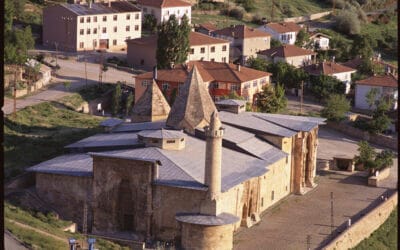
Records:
x=90, y=4
x=109, y=3
x=155, y=72
x=238, y=67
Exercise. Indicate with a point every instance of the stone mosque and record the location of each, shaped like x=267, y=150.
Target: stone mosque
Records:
x=193, y=173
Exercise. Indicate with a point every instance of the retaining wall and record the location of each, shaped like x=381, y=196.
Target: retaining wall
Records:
x=306, y=18
x=363, y=228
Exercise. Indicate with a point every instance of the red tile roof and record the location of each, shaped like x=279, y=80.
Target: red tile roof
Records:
x=327, y=68
x=284, y=27
x=163, y=3
x=382, y=81
x=240, y=32
x=286, y=51
x=209, y=71
x=208, y=26
x=195, y=39
x=353, y=63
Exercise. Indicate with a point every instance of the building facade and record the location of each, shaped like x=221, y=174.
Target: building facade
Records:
x=163, y=9
x=284, y=32
x=290, y=54
x=79, y=27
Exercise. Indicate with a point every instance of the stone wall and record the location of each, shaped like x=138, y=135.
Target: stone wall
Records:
x=365, y=226
x=374, y=180
x=307, y=18
x=380, y=140
x=196, y=237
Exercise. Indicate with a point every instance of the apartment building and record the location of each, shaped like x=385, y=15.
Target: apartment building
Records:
x=79, y=27
x=163, y=9
x=290, y=54
x=285, y=32
x=141, y=52
x=245, y=41
x=220, y=79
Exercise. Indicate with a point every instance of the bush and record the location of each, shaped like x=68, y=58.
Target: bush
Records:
x=347, y=22
x=257, y=19
x=237, y=13
x=336, y=108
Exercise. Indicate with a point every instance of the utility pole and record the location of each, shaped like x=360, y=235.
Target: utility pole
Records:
x=301, y=97
x=85, y=70
x=15, y=92
x=333, y=7
x=272, y=10
x=101, y=68
x=308, y=242
x=332, y=225
x=84, y=224
x=56, y=44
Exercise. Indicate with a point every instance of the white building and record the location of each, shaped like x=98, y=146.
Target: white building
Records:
x=163, y=9
x=320, y=41
x=387, y=86
x=285, y=32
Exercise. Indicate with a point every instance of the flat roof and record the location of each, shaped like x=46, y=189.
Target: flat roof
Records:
x=101, y=8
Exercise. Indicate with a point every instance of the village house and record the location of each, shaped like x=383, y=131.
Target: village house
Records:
x=193, y=179
x=163, y=9
x=337, y=70
x=205, y=28
x=79, y=27
x=245, y=41
x=320, y=41
x=290, y=54
x=284, y=32
x=141, y=52
x=387, y=86
x=220, y=79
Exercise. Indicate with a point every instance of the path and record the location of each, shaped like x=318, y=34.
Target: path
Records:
x=287, y=225
x=71, y=71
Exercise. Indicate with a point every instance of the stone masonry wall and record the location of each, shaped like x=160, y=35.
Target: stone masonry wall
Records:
x=365, y=226
x=196, y=237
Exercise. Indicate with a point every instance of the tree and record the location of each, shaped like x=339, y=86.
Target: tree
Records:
x=275, y=43
x=233, y=95
x=323, y=86
x=173, y=42
x=363, y=46
x=67, y=85
x=271, y=100
x=257, y=63
x=116, y=99
x=347, y=22
x=380, y=121
x=150, y=23
x=384, y=159
x=287, y=74
x=302, y=38
x=372, y=96
x=128, y=104
x=366, y=156
x=336, y=107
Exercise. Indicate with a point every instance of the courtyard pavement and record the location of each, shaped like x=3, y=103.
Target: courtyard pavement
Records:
x=288, y=224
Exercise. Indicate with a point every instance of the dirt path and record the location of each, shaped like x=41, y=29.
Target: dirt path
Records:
x=38, y=230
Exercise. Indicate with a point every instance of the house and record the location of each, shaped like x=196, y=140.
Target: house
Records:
x=163, y=9
x=320, y=40
x=245, y=41
x=79, y=27
x=142, y=51
x=193, y=179
x=284, y=32
x=206, y=28
x=387, y=86
x=337, y=70
x=290, y=54
x=220, y=79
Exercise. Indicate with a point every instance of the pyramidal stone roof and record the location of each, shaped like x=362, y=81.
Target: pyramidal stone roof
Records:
x=152, y=103
x=193, y=106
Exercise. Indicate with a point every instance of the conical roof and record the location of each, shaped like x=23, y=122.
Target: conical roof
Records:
x=193, y=106
x=151, y=104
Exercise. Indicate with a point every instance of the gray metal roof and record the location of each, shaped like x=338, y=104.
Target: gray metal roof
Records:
x=249, y=121
x=136, y=127
x=107, y=140
x=297, y=123
x=232, y=102
x=162, y=134
x=263, y=150
x=207, y=220
x=111, y=122
x=69, y=164
x=98, y=8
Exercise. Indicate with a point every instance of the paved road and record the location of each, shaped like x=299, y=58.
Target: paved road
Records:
x=10, y=242
x=74, y=72
x=287, y=225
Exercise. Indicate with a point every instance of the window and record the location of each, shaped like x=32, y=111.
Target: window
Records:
x=95, y=19
x=136, y=27
x=170, y=141
x=104, y=18
x=202, y=50
x=115, y=17
x=95, y=31
x=114, y=42
x=213, y=49
x=262, y=202
x=286, y=188
x=81, y=45
x=191, y=51
x=128, y=16
x=272, y=195
x=255, y=83
x=224, y=48
x=246, y=86
x=81, y=31
x=115, y=29
x=223, y=59
x=127, y=28
x=287, y=159
x=186, y=11
x=94, y=43
x=263, y=81
x=88, y=31
x=142, y=62
x=165, y=86
x=128, y=38
x=215, y=85
x=82, y=20
x=88, y=19
x=234, y=87
x=182, y=139
x=104, y=30
x=168, y=13
x=145, y=83
x=212, y=60
x=145, y=10
x=136, y=16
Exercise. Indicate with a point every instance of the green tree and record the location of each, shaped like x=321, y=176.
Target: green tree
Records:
x=347, y=22
x=233, y=95
x=363, y=46
x=116, y=99
x=302, y=38
x=128, y=104
x=173, y=42
x=366, y=156
x=287, y=74
x=271, y=99
x=336, y=107
x=257, y=63
x=275, y=43
x=150, y=23
x=372, y=96
x=384, y=159
x=380, y=121
x=323, y=86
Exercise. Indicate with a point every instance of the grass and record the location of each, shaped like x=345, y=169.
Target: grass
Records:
x=40, y=132
x=385, y=237
x=218, y=20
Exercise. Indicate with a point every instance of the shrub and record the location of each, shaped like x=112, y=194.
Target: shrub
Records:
x=336, y=107
x=347, y=22
x=237, y=13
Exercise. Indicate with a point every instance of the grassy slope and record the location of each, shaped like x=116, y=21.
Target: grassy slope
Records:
x=385, y=237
